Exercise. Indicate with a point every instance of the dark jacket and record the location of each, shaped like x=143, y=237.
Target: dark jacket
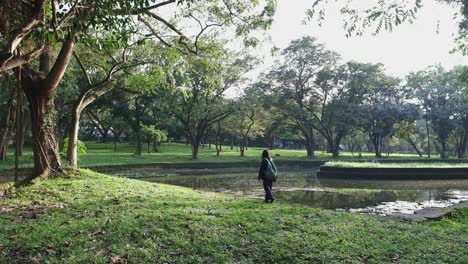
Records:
x=263, y=169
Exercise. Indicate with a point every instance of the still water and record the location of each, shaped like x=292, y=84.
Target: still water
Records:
x=299, y=185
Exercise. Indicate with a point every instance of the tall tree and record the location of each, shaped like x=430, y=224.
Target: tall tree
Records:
x=88, y=94
x=340, y=92
x=248, y=118
x=383, y=107
x=33, y=29
x=439, y=94
x=294, y=78
x=200, y=103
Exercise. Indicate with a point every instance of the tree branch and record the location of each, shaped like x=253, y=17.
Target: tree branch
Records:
x=83, y=69
x=18, y=61
x=23, y=32
x=60, y=66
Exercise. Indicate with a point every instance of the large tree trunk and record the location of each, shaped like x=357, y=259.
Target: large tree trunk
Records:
x=461, y=147
x=443, y=151
x=45, y=152
x=336, y=147
x=8, y=131
x=39, y=87
x=377, y=141
x=195, y=149
x=72, y=152
x=217, y=141
x=242, y=150
x=310, y=143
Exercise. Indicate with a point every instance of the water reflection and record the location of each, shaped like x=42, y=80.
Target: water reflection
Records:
x=302, y=186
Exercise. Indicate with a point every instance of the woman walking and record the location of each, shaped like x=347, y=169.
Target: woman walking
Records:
x=268, y=174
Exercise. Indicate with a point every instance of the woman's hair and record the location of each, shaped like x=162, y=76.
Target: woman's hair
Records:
x=265, y=154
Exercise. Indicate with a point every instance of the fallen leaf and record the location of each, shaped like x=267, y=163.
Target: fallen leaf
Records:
x=6, y=210
x=12, y=237
x=65, y=222
x=108, y=221
x=103, y=252
x=118, y=260
x=37, y=258
x=50, y=250
x=98, y=232
x=89, y=249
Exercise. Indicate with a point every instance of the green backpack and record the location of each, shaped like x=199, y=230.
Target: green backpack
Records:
x=271, y=172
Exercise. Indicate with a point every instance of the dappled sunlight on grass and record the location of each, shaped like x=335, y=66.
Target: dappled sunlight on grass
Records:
x=86, y=217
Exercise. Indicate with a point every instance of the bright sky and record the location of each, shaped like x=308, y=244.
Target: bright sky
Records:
x=410, y=47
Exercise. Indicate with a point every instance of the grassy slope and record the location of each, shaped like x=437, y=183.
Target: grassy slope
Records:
x=92, y=218
x=104, y=154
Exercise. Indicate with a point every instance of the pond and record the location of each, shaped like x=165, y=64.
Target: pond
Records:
x=299, y=185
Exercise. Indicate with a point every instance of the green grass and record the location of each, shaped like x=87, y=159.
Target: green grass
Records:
x=93, y=218
x=342, y=164
x=104, y=154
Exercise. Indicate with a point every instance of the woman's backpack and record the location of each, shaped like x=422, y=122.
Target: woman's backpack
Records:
x=271, y=172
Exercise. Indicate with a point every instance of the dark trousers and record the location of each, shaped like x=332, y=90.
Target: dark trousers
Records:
x=267, y=186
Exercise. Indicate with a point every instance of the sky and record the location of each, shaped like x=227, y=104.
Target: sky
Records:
x=409, y=47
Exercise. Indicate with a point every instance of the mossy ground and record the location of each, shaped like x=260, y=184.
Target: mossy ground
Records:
x=86, y=217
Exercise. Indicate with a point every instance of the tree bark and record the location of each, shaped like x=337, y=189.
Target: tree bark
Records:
x=217, y=139
x=428, y=141
x=462, y=148
x=195, y=149
x=45, y=152
x=8, y=130
x=377, y=146
x=443, y=151
x=156, y=146
x=336, y=151
x=414, y=146
x=22, y=130
x=39, y=87
x=139, y=143
x=310, y=142
x=72, y=153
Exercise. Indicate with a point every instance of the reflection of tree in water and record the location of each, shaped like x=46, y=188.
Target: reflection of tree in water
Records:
x=312, y=181
x=344, y=194
x=333, y=200
x=429, y=195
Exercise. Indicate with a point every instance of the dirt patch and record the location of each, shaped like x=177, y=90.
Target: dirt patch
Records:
x=25, y=212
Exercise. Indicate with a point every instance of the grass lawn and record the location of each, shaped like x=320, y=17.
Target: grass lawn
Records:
x=104, y=154
x=94, y=218
x=343, y=164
